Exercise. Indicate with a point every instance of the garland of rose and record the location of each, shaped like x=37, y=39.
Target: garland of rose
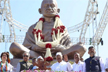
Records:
x=2, y=67
x=57, y=31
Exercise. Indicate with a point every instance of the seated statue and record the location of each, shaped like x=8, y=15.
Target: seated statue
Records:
x=49, y=29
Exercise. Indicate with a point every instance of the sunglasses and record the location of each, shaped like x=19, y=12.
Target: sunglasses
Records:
x=25, y=56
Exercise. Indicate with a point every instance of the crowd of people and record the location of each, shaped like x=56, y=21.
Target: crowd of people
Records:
x=91, y=64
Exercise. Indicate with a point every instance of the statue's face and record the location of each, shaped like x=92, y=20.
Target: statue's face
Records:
x=49, y=8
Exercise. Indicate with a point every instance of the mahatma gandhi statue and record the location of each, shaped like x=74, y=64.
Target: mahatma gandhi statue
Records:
x=49, y=29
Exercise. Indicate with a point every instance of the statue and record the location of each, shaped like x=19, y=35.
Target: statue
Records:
x=51, y=30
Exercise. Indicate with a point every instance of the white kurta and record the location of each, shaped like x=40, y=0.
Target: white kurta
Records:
x=106, y=63
x=9, y=67
x=34, y=67
x=78, y=67
x=18, y=67
x=62, y=66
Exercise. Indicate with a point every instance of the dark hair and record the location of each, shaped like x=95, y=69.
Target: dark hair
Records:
x=8, y=52
x=5, y=53
x=90, y=47
x=33, y=59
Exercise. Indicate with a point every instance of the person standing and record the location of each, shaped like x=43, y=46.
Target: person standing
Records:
x=8, y=60
x=25, y=64
x=4, y=65
x=106, y=65
x=94, y=63
x=61, y=65
x=78, y=65
x=42, y=64
x=33, y=66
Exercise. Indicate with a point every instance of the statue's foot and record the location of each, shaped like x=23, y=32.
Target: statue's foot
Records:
x=33, y=54
x=17, y=51
x=80, y=48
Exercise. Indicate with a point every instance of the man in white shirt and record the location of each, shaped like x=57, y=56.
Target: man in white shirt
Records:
x=78, y=66
x=106, y=65
x=60, y=65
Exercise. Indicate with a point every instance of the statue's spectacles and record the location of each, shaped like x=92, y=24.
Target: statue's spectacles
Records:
x=25, y=56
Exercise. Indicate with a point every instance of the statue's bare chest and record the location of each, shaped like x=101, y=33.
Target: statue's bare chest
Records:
x=46, y=31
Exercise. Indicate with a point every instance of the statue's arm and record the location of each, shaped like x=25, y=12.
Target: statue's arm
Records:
x=29, y=40
x=65, y=41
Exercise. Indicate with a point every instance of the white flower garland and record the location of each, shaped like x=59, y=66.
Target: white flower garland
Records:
x=56, y=33
x=55, y=37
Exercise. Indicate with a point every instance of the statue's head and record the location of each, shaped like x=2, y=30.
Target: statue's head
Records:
x=49, y=8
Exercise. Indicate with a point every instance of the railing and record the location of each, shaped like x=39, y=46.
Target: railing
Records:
x=20, y=39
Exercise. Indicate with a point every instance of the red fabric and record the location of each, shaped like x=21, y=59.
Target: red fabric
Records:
x=48, y=45
x=41, y=19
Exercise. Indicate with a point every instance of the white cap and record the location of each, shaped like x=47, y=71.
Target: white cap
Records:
x=59, y=53
x=40, y=58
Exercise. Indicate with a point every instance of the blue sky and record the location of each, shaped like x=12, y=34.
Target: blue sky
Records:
x=71, y=12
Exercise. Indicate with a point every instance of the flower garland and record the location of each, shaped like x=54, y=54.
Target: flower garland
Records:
x=5, y=67
x=57, y=31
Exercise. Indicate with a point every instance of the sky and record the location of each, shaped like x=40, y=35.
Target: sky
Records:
x=71, y=13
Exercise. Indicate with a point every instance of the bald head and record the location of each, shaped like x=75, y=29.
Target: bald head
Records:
x=49, y=1
x=49, y=8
